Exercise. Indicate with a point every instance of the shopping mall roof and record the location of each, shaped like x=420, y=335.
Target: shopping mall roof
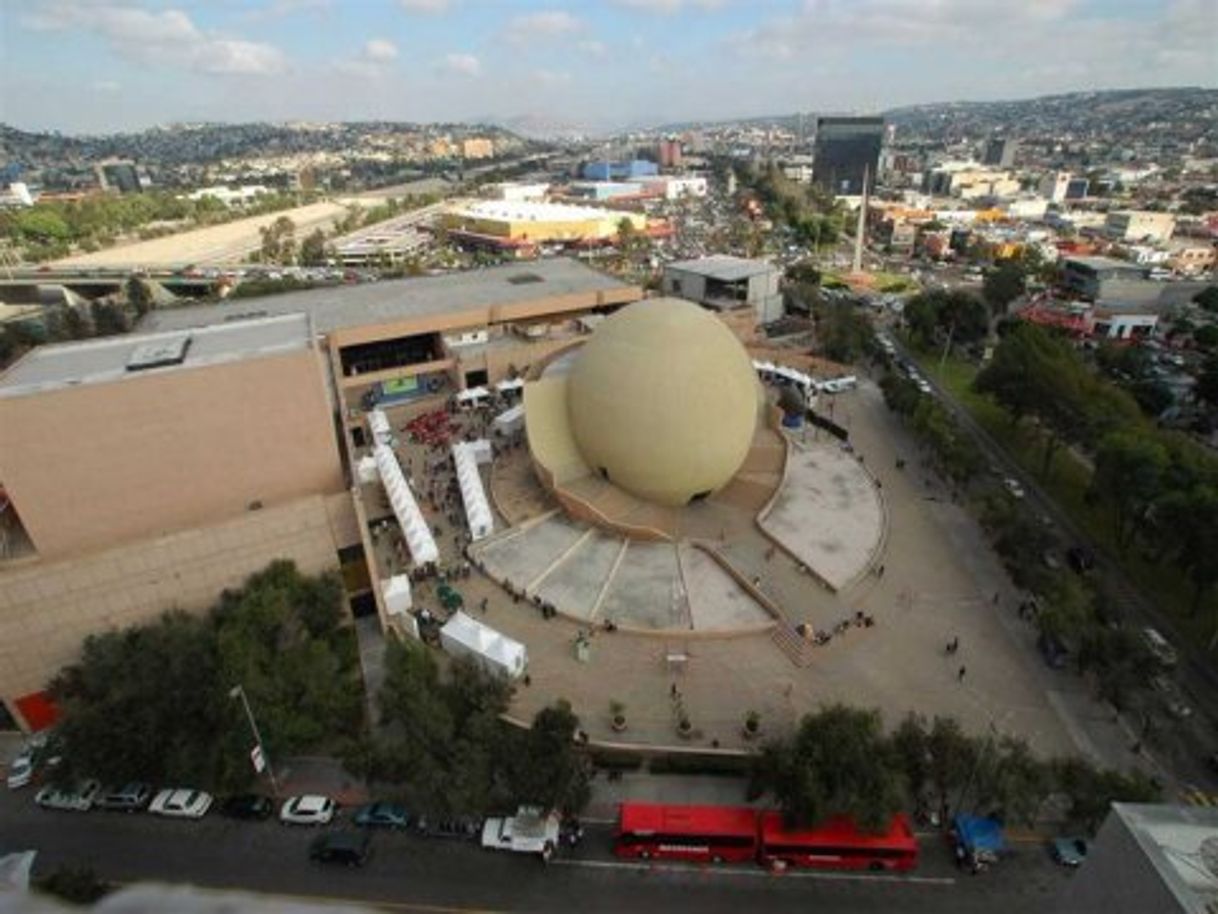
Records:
x=115, y=358
x=722, y=267
x=531, y=211
x=366, y=304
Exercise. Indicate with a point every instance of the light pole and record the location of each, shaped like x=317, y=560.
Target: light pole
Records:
x=238, y=692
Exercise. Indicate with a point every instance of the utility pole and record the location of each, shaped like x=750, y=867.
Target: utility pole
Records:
x=238, y=692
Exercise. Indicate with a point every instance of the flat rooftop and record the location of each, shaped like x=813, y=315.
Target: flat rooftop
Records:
x=530, y=211
x=1105, y=263
x=722, y=267
x=1181, y=843
x=367, y=304
x=134, y=355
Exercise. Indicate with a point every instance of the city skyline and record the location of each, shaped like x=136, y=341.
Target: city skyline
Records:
x=604, y=65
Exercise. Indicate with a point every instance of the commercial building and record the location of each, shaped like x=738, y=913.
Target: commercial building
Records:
x=1161, y=858
x=477, y=147
x=152, y=471
x=846, y=149
x=1090, y=277
x=516, y=192
x=724, y=283
x=668, y=153
x=1139, y=225
x=1192, y=257
x=602, y=191
x=1060, y=186
x=1000, y=151
x=142, y=473
x=968, y=181
x=526, y=223
x=674, y=187
x=230, y=196
x=619, y=171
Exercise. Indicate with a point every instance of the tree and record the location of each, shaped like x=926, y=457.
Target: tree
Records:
x=838, y=762
x=1012, y=783
x=950, y=315
x=1092, y=791
x=1003, y=284
x=1129, y=468
x=1189, y=519
x=1207, y=298
x=139, y=296
x=1206, y=336
x=953, y=757
x=109, y=319
x=548, y=769
x=313, y=249
x=1206, y=390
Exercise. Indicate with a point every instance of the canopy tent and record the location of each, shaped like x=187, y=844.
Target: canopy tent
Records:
x=378, y=424
x=472, y=394
x=396, y=595
x=510, y=384
x=467, y=456
x=462, y=636
x=419, y=541
x=509, y=421
x=764, y=368
x=366, y=470
x=978, y=833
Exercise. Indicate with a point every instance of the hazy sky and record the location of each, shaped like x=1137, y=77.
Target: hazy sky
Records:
x=97, y=66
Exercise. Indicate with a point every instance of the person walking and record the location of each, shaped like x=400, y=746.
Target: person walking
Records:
x=960, y=675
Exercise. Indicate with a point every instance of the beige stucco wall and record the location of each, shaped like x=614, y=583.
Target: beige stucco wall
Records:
x=97, y=465
x=47, y=608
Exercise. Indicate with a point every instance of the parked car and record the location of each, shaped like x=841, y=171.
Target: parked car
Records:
x=1081, y=559
x=382, y=815
x=21, y=769
x=348, y=848
x=78, y=799
x=462, y=828
x=1013, y=486
x=247, y=806
x=181, y=803
x=1068, y=851
x=1163, y=652
x=127, y=798
x=1173, y=698
x=309, y=809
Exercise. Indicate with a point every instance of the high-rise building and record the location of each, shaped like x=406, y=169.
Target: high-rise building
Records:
x=1000, y=151
x=846, y=149
x=669, y=153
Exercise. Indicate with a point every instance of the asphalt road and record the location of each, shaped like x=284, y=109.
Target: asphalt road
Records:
x=408, y=873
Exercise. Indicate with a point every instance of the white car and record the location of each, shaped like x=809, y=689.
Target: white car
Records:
x=78, y=800
x=181, y=803
x=21, y=769
x=310, y=809
x=1013, y=486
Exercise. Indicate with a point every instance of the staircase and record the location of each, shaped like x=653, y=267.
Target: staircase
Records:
x=798, y=649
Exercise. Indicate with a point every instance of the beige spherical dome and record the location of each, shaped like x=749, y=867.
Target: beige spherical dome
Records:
x=663, y=401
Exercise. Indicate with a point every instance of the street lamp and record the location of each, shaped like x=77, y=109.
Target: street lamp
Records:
x=238, y=692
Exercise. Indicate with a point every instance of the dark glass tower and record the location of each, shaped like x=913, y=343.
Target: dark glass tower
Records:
x=846, y=148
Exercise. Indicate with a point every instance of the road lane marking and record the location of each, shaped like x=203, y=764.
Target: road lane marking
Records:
x=788, y=874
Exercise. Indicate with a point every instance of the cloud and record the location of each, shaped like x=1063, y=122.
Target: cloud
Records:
x=461, y=65
x=593, y=48
x=546, y=25
x=380, y=49
x=426, y=7
x=666, y=7
x=108, y=86
x=164, y=37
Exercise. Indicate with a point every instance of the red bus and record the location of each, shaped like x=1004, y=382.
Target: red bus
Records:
x=703, y=833
x=838, y=844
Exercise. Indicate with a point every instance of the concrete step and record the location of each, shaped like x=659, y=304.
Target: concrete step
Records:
x=798, y=649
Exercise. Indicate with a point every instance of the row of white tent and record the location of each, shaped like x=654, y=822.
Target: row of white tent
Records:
x=419, y=541
x=466, y=456
x=463, y=636
x=769, y=371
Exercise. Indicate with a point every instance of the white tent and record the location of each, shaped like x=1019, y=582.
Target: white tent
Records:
x=366, y=469
x=478, y=512
x=419, y=541
x=472, y=394
x=510, y=384
x=378, y=424
x=509, y=421
x=396, y=594
x=462, y=636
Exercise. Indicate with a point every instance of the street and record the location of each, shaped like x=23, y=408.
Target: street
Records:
x=409, y=873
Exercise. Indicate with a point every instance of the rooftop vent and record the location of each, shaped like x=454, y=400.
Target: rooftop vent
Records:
x=158, y=354
x=521, y=279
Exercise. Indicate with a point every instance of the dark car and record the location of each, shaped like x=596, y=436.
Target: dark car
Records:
x=382, y=815
x=247, y=806
x=1068, y=851
x=128, y=798
x=460, y=827
x=1051, y=648
x=348, y=848
x=1080, y=558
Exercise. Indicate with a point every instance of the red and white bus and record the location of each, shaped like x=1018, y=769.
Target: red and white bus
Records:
x=715, y=834
x=837, y=843
x=721, y=834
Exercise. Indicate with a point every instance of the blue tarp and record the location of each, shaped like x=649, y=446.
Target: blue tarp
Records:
x=976, y=833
